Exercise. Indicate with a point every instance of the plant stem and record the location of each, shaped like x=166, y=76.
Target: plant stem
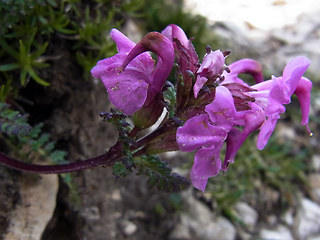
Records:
x=106, y=159
x=167, y=126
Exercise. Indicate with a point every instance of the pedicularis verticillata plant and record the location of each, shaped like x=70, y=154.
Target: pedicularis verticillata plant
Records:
x=205, y=105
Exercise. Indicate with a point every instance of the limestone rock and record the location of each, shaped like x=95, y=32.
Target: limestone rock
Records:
x=201, y=223
x=279, y=233
x=128, y=228
x=247, y=214
x=36, y=207
x=315, y=162
x=180, y=232
x=314, y=238
x=314, y=180
x=308, y=219
x=288, y=217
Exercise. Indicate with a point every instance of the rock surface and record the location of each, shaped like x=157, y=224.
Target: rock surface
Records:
x=247, y=214
x=293, y=29
x=35, y=209
x=199, y=222
x=308, y=221
x=280, y=233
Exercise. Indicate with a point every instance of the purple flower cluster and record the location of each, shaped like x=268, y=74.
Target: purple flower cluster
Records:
x=265, y=102
x=214, y=103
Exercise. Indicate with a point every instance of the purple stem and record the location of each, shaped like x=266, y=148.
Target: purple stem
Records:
x=106, y=159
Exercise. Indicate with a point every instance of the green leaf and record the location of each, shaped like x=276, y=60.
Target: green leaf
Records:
x=160, y=174
x=40, y=64
x=37, y=78
x=40, y=50
x=9, y=49
x=170, y=95
x=119, y=170
x=23, y=77
x=5, y=90
x=36, y=130
x=12, y=122
x=23, y=55
x=9, y=67
x=58, y=156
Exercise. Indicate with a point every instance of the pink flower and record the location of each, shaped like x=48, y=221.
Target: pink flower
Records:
x=211, y=68
x=187, y=60
x=173, y=31
x=269, y=99
x=207, y=133
x=273, y=94
x=131, y=79
x=249, y=66
x=238, y=104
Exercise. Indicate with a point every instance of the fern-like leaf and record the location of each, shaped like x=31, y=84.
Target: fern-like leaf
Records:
x=160, y=174
x=13, y=122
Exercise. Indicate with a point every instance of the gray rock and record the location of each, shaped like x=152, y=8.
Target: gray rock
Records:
x=91, y=213
x=202, y=223
x=308, y=219
x=314, y=180
x=32, y=214
x=216, y=228
x=247, y=214
x=180, y=232
x=288, y=217
x=128, y=228
x=196, y=209
x=314, y=238
x=315, y=161
x=279, y=233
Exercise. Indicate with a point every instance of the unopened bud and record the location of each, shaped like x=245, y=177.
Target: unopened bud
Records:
x=208, y=49
x=226, y=53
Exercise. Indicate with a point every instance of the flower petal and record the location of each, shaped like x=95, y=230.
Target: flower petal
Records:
x=173, y=31
x=279, y=95
x=222, y=110
x=293, y=72
x=253, y=121
x=108, y=64
x=212, y=64
x=163, y=47
x=198, y=132
x=124, y=44
x=303, y=92
x=266, y=130
x=127, y=90
x=249, y=66
x=206, y=164
x=198, y=85
x=232, y=147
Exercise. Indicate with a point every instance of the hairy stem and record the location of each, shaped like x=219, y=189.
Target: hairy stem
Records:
x=106, y=159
